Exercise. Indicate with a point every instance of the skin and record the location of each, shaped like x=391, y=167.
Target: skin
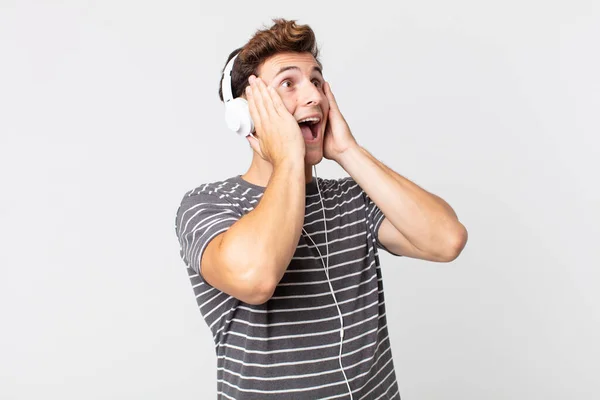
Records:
x=302, y=91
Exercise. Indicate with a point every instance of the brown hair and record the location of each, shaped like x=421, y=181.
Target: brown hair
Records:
x=282, y=36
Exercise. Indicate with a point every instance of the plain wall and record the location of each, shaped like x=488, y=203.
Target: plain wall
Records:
x=109, y=113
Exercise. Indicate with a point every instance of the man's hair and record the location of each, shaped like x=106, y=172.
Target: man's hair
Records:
x=282, y=36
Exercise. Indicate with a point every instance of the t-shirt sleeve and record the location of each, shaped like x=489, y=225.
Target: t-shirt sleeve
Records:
x=200, y=218
x=374, y=217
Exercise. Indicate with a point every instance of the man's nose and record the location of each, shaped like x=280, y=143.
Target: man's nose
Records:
x=311, y=95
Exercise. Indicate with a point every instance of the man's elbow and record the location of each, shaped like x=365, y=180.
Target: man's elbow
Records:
x=261, y=296
x=457, y=242
x=262, y=289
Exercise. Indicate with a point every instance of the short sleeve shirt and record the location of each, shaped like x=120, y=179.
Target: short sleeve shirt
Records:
x=289, y=347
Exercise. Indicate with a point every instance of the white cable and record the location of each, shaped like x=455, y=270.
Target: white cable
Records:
x=328, y=281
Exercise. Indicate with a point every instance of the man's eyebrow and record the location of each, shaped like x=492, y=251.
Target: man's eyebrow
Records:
x=289, y=67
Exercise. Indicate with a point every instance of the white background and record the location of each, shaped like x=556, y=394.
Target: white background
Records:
x=109, y=113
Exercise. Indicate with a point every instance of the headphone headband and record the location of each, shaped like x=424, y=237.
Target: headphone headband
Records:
x=226, y=86
x=237, y=113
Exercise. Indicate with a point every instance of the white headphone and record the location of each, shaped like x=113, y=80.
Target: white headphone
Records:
x=237, y=113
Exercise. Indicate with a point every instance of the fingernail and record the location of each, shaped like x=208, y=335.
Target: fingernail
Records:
x=251, y=78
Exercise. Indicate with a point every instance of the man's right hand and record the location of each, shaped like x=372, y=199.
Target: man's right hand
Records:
x=278, y=135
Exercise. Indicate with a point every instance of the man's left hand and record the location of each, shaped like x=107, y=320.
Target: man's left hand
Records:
x=338, y=137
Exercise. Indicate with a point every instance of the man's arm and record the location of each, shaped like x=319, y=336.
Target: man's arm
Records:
x=249, y=259
x=417, y=223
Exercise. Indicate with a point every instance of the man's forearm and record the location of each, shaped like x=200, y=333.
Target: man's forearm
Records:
x=265, y=239
x=425, y=219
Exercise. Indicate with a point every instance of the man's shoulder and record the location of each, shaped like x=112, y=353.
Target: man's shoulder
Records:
x=212, y=190
x=345, y=185
x=343, y=191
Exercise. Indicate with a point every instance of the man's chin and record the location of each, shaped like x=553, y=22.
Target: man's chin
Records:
x=313, y=158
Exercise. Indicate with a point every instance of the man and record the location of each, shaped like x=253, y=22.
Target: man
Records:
x=284, y=266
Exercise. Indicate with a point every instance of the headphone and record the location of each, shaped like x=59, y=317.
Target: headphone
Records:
x=238, y=119
x=237, y=113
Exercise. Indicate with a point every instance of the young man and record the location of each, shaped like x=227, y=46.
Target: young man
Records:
x=285, y=266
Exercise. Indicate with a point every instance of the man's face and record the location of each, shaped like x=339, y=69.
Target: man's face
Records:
x=298, y=80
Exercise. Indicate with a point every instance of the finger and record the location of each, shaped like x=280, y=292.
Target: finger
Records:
x=259, y=102
x=266, y=97
x=330, y=96
x=253, y=111
x=277, y=102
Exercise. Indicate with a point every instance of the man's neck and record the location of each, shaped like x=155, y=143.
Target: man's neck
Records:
x=260, y=172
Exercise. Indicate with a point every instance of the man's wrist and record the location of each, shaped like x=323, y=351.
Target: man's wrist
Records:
x=290, y=164
x=346, y=157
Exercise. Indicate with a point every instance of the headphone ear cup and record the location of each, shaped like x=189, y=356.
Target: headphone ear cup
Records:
x=238, y=118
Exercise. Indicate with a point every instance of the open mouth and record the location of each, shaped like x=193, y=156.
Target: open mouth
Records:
x=310, y=128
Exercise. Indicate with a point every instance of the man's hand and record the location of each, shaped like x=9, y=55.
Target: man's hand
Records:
x=338, y=137
x=279, y=137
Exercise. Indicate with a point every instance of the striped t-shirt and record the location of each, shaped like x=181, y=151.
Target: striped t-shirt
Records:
x=288, y=347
